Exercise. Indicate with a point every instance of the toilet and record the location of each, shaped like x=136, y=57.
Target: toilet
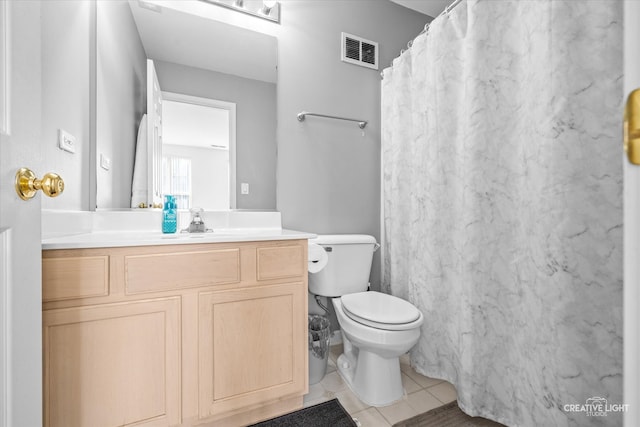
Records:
x=376, y=328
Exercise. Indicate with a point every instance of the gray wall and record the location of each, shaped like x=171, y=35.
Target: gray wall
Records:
x=66, y=98
x=328, y=173
x=255, y=124
x=121, y=100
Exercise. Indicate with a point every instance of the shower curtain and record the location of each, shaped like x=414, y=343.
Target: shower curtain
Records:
x=502, y=183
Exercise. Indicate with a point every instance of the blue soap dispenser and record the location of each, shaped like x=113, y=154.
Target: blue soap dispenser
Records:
x=169, y=215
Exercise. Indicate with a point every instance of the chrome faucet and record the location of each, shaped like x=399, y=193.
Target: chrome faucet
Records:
x=197, y=223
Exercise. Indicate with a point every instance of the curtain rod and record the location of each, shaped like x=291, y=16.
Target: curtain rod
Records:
x=426, y=29
x=303, y=114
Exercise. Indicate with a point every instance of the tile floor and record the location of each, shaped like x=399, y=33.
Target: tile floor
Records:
x=422, y=395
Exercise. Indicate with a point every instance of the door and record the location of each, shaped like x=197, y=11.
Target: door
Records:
x=20, y=296
x=154, y=135
x=202, y=131
x=631, y=229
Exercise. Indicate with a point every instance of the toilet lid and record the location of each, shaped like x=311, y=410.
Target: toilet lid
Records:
x=379, y=308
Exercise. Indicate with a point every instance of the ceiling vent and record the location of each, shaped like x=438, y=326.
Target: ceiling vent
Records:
x=359, y=51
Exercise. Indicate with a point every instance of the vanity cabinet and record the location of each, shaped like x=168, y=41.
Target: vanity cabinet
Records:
x=168, y=335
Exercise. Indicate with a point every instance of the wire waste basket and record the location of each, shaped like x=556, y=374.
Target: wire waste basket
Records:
x=318, y=347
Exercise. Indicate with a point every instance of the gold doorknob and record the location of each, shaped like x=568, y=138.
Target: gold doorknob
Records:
x=27, y=184
x=631, y=127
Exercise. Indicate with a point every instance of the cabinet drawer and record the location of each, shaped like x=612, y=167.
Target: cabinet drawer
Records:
x=279, y=262
x=74, y=277
x=162, y=271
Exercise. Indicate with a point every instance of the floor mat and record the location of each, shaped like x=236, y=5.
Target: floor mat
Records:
x=326, y=414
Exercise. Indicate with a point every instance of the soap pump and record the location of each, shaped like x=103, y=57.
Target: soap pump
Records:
x=169, y=215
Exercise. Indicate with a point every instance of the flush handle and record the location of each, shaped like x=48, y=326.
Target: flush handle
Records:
x=632, y=127
x=27, y=184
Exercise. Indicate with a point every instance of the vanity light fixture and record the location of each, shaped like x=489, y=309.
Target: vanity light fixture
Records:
x=149, y=6
x=265, y=9
x=267, y=5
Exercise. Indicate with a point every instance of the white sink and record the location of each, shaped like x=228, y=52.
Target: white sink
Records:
x=146, y=238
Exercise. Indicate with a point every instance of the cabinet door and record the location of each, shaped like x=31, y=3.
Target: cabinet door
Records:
x=113, y=364
x=252, y=347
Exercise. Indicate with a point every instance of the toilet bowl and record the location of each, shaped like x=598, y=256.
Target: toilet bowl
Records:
x=370, y=363
x=376, y=328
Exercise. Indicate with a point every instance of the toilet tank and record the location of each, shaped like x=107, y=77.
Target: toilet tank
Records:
x=348, y=267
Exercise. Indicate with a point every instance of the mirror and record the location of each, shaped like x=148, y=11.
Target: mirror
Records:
x=198, y=61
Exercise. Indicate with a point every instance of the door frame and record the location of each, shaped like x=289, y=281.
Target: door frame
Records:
x=223, y=105
x=631, y=290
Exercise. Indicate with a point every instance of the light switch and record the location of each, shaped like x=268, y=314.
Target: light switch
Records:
x=244, y=188
x=105, y=162
x=66, y=141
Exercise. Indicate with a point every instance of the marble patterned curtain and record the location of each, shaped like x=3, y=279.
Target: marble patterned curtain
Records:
x=502, y=172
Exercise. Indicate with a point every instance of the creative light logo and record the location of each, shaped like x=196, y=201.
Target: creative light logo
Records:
x=596, y=407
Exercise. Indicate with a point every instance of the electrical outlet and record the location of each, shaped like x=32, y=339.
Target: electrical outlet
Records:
x=66, y=141
x=244, y=188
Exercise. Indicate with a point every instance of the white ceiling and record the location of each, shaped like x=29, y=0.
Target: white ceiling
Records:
x=432, y=8
x=182, y=37
x=186, y=32
x=194, y=125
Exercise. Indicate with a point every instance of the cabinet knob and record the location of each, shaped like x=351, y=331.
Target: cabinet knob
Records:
x=27, y=184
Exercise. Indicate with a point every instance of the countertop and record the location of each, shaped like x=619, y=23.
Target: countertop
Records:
x=107, y=239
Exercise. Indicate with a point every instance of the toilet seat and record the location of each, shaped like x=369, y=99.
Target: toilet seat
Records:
x=381, y=311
